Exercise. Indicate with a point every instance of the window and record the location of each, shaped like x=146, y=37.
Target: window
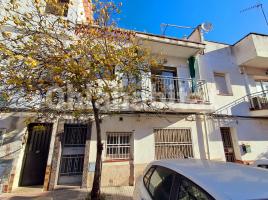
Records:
x=61, y=8
x=2, y=135
x=173, y=143
x=221, y=84
x=160, y=183
x=55, y=97
x=147, y=177
x=75, y=135
x=118, y=146
x=190, y=191
x=263, y=166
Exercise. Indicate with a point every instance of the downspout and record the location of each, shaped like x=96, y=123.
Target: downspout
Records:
x=206, y=137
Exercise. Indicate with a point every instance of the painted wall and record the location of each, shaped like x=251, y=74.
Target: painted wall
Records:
x=12, y=146
x=142, y=131
x=218, y=58
x=252, y=50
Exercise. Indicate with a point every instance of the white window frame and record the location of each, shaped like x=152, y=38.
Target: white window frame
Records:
x=118, y=145
x=227, y=83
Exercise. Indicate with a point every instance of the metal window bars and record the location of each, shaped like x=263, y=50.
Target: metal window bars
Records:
x=173, y=143
x=75, y=135
x=118, y=146
x=72, y=165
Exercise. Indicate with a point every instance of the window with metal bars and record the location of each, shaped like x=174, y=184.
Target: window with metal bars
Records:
x=118, y=146
x=75, y=135
x=173, y=143
x=72, y=165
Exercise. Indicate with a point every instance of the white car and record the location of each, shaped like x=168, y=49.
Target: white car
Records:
x=192, y=179
x=263, y=163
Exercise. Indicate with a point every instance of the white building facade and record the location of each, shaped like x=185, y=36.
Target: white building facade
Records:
x=216, y=107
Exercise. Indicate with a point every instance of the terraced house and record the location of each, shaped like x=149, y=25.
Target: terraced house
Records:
x=216, y=107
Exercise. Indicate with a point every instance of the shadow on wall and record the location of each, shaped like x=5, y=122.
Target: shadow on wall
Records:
x=11, y=144
x=13, y=125
x=219, y=61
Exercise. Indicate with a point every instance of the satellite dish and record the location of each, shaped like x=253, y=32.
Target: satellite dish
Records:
x=207, y=26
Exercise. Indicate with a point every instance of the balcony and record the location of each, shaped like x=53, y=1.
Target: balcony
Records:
x=179, y=90
x=259, y=101
x=252, y=51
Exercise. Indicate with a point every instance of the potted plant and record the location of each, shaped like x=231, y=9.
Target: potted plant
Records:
x=195, y=98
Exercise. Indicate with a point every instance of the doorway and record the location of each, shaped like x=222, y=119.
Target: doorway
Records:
x=36, y=153
x=73, y=144
x=165, y=84
x=227, y=144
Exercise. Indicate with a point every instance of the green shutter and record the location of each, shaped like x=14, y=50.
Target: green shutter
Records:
x=191, y=62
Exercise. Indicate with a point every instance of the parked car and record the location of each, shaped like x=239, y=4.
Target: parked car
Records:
x=191, y=179
x=262, y=163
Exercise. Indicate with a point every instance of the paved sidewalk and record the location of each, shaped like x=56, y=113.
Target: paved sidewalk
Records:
x=110, y=193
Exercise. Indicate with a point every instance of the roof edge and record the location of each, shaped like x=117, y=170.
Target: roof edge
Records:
x=251, y=33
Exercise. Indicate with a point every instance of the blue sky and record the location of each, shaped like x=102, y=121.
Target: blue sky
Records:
x=229, y=25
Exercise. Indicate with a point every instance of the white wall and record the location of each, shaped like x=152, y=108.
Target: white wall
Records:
x=219, y=58
x=142, y=129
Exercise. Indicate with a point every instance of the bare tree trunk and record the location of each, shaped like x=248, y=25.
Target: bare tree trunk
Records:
x=95, y=192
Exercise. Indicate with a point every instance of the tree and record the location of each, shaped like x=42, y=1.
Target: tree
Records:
x=97, y=65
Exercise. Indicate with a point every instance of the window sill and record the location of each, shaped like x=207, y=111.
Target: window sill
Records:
x=117, y=160
x=222, y=94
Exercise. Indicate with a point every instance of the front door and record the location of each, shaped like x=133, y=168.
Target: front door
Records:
x=227, y=144
x=72, y=156
x=36, y=153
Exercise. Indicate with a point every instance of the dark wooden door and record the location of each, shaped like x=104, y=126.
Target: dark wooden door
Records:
x=227, y=144
x=36, y=153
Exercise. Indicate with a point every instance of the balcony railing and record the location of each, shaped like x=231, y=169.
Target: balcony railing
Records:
x=174, y=89
x=255, y=101
x=259, y=101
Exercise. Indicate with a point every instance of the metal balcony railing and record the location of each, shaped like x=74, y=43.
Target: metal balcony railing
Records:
x=174, y=89
x=259, y=101
x=256, y=101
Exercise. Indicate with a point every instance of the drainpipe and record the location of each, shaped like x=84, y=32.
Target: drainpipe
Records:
x=245, y=75
x=206, y=137
x=244, y=72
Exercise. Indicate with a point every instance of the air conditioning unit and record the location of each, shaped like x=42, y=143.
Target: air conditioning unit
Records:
x=255, y=103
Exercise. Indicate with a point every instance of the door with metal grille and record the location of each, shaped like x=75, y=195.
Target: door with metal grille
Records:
x=36, y=153
x=173, y=143
x=227, y=144
x=73, y=151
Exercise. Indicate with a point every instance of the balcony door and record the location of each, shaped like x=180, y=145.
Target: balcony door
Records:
x=165, y=84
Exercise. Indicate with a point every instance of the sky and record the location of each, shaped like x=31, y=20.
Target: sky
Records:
x=229, y=24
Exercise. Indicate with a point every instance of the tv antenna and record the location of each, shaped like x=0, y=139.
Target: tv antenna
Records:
x=257, y=6
x=165, y=26
x=206, y=27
